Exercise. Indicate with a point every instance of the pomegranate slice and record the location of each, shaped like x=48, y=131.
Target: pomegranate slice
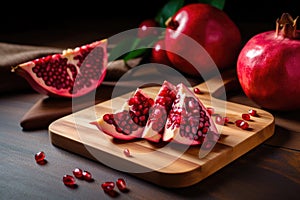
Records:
x=158, y=113
x=72, y=73
x=189, y=122
x=129, y=123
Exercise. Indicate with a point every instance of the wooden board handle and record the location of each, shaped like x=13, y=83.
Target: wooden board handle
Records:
x=218, y=86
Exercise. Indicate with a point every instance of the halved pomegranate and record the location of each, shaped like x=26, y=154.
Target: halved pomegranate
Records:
x=73, y=73
x=189, y=121
x=159, y=112
x=129, y=123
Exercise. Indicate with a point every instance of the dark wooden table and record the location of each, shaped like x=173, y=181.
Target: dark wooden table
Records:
x=269, y=171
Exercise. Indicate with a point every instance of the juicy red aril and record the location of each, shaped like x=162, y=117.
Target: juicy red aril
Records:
x=108, y=186
x=238, y=122
x=126, y=152
x=158, y=116
x=191, y=118
x=87, y=175
x=163, y=104
x=246, y=116
x=121, y=184
x=219, y=120
x=242, y=124
x=226, y=119
x=69, y=180
x=122, y=122
x=252, y=112
x=128, y=121
x=210, y=111
x=77, y=172
x=197, y=91
x=39, y=157
x=140, y=106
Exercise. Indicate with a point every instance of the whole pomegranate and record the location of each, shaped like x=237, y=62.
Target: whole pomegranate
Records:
x=268, y=66
x=145, y=31
x=159, y=54
x=211, y=28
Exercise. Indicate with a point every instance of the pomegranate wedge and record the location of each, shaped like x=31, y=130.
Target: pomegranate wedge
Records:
x=127, y=124
x=188, y=121
x=73, y=73
x=159, y=112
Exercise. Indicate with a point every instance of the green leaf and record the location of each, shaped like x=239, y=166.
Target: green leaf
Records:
x=121, y=48
x=167, y=11
x=135, y=53
x=216, y=3
x=140, y=47
x=131, y=48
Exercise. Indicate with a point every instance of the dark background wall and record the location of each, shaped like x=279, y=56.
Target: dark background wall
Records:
x=18, y=17
x=27, y=14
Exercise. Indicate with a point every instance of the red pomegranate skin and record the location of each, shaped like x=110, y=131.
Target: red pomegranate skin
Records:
x=268, y=68
x=212, y=29
x=159, y=54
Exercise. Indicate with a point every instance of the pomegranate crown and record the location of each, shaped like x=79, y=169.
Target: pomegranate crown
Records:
x=286, y=26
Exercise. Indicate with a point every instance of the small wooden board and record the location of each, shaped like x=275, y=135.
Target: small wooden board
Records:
x=166, y=165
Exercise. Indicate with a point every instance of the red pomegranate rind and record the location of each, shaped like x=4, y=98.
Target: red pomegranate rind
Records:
x=189, y=121
x=72, y=73
x=159, y=112
x=129, y=123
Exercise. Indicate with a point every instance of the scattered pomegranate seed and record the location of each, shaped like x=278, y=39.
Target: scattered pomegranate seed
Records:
x=40, y=157
x=246, y=116
x=252, y=112
x=108, y=186
x=197, y=90
x=210, y=111
x=121, y=184
x=77, y=172
x=226, y=119
x=126, y=152
x=219, y=120
x=69, y=180
x=242, y=124
x=87, y=175
x=238, y=122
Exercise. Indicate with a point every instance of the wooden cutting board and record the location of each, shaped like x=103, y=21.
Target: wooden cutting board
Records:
x=164, y=164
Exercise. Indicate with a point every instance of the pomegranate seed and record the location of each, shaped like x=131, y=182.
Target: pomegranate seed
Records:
x=108, y=186
x=126, y=152
x=226, y=119
x=238, y=122
x=242, y=124
x=40, y=157
x=69, y=180
x=246, y=116
x=197, y=91
x=252, y=112
x=78, y=173
x=219, y=120
x=210, y=111
x=121, y=184
x=87, y=176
